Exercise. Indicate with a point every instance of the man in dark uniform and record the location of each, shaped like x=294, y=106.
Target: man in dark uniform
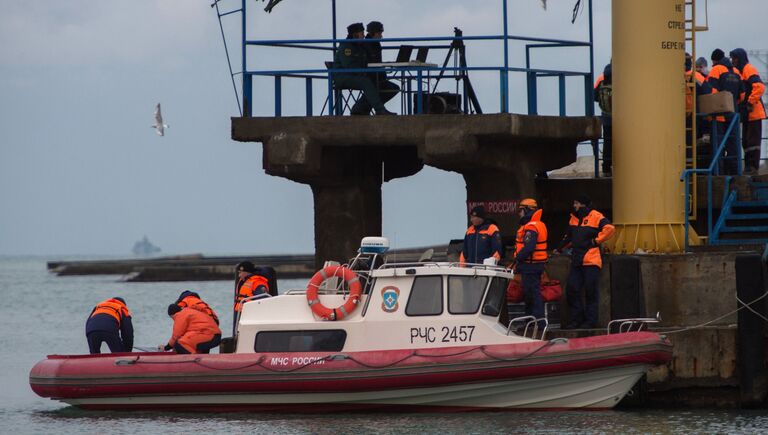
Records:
x=482, y=239
x=110, y=322
x=352, y=55
x=387, y=89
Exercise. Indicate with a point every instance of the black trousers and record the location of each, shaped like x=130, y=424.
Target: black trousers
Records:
x=371, y=96
x=583, y=282
x=387, y=91
x=750, y=140
x=728, y=163
x=96, y=338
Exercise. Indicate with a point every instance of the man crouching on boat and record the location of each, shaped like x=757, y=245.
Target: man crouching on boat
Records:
x=193, y=331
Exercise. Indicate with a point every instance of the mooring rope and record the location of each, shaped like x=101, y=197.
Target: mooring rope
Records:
x=744, y=305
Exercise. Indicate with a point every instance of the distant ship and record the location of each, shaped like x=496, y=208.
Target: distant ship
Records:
x=144, y=247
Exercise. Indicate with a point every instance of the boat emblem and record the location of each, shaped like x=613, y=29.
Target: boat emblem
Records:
x=389, y=295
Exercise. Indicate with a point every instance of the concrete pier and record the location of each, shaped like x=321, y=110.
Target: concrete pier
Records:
x=345, y=160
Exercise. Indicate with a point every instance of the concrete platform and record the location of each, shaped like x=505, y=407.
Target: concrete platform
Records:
x=346, y=159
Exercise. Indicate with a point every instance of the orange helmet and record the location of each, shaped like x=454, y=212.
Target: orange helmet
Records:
x=528, y=203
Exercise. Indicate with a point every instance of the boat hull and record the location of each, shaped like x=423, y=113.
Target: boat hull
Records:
x=591, y=373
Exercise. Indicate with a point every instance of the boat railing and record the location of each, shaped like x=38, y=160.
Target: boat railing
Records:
x=532, y=325
x=633, y=324
x=495, y=268
x=250, y=298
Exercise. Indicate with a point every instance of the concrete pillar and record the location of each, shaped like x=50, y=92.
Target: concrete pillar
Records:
x=344, y=214
x=750, y=286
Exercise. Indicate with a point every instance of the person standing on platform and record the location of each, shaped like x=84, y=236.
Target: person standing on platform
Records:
x=482, y=240
x=724, y=77
x=752, y=110
x=387, y=89
x=110, y=322
x=531, y=255
x=587, y=230
x=352, y=55
x=193, y=331
x=604, y=99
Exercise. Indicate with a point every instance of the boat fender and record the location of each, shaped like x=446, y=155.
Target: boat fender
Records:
x=339, y=313
x=126, y=361
x=559, y=340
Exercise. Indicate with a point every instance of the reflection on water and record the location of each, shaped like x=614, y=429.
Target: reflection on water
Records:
x=43, y=314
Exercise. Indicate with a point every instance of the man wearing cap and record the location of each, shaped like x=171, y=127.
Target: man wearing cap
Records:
x=587, y=230
x=249, y=283
x=110, y=322
x=193, y=331
x=482, y=239
x=531, y=255
x=352, y=55
x=387, y=89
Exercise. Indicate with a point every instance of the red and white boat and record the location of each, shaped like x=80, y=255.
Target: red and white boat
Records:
x=422, y=336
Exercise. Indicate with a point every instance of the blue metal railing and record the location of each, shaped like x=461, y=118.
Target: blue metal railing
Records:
x=416, y=73
x=712, y=170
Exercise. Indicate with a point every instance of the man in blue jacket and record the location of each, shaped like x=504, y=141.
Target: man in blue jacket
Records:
x=110, y=322
x=482, y=239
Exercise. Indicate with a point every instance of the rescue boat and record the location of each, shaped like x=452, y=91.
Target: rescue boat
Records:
x=372, y=336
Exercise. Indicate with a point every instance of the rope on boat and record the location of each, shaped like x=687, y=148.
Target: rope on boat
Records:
x=744, y=305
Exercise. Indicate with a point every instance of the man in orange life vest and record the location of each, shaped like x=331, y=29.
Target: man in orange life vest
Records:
x=724, y=77
x=249, y=283
x=193, y=331
x=110, y=322
x=190, y=299
x=751, y=109
x=587, y=230
x=482, y=239
x=531, y=255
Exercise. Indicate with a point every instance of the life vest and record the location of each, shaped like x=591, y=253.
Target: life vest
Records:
x=605, y=97
x=726, y=78
x=593, y=226
x=248, y=288
x=480, y=243
x=536, y=225
x=114, y=308
x=197, y=304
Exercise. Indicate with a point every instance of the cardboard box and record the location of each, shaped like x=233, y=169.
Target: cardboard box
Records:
x=721, y=102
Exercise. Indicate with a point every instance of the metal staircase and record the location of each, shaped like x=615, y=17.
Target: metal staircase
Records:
x=742, y=222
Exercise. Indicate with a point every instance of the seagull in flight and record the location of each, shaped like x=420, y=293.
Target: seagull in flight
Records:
x=159, y=126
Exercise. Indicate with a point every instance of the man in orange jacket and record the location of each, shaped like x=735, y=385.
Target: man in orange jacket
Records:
x=724, y=77
x=587, y=230
x=193, y=331
x=752, y=110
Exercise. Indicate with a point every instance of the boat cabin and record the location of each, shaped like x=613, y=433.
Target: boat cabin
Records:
x=401, y=306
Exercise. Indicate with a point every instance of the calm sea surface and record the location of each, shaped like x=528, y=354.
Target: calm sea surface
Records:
x=43, y=314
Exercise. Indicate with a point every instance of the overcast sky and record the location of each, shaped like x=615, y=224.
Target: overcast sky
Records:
x=82, y=172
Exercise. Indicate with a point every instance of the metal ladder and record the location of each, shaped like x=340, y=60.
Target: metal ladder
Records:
x=690, y=131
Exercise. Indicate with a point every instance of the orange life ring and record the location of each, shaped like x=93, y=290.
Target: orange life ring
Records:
x=355, y=290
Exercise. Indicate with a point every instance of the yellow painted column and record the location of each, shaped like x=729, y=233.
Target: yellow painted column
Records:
x=648, y=126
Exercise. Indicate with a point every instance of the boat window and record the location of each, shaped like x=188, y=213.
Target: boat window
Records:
x=496, y=299
x=426, y=297
x=328, y=340
x=465, y=293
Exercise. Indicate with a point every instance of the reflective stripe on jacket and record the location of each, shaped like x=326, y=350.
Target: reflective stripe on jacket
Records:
x=114, y=308
x=585, y=236
x=251, y=288
x=535, y=225
x=481, y=242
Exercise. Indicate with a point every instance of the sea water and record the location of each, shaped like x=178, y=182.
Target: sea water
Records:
x=43, y=314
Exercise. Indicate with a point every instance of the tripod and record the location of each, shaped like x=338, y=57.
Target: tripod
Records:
x=459, y=49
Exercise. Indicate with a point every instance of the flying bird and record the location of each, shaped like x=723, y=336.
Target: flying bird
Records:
x=159, y=126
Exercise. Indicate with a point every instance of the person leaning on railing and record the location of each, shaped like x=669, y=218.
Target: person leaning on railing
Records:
x=352, y=55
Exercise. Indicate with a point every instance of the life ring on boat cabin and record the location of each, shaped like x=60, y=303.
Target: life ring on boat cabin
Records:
x=339, y=313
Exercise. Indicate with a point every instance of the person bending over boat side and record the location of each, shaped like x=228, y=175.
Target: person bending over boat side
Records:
x=193, y=331
x=110, y=322
x=190, y=299
x=249, y=283
x=482, y=240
